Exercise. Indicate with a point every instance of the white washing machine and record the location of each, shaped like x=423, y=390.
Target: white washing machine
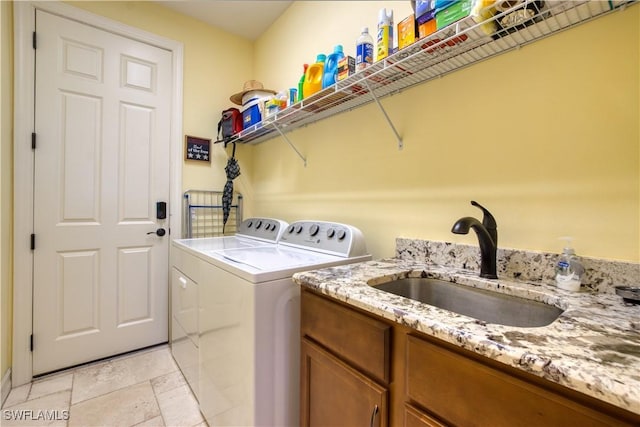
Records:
x=250, y=322
x=186, y=275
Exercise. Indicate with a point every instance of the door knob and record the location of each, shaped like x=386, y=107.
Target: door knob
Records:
x=160, y=232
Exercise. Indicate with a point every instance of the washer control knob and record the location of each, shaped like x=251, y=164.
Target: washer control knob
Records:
x=314, y=229
x=258, y=224
x=330, y=233
x=342, y=234
x=299, y=229
x=291, y=229
x=250, y=224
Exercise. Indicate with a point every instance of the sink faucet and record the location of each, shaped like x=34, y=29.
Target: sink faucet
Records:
x=487, y=232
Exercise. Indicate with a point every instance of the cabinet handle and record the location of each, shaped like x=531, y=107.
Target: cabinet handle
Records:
x=373, y=415
x=183, y=282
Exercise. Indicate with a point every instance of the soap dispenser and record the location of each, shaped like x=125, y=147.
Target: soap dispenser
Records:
x=569, y=269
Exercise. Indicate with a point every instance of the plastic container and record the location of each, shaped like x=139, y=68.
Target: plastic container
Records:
x=313, y=76
x=301, y=83
x=384, y=40
x=252, y=113
x=364, y=50
x=330, y=73
x=569, y=269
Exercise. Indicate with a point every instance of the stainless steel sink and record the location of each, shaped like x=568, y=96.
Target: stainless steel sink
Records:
x=490, y=307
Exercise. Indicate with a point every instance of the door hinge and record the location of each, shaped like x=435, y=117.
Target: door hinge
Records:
x=33, y=242
x=31, y=342
x=35, y=45
x=33, y=140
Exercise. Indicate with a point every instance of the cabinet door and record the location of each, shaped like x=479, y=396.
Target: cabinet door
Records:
x=334, y=394
x=413, y=417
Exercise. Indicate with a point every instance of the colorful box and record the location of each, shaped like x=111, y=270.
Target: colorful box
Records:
x=346, y=67
x=453, y=13
x=427, y=16
x=407, y=31
x=427, y=28
x=424, y=6
x=443, y=4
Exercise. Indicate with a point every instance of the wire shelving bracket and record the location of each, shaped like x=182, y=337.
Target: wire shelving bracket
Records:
x=303, y=158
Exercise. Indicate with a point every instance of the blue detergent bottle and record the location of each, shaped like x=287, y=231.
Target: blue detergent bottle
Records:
x=330, y=75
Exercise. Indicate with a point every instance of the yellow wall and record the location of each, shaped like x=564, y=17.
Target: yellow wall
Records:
x=216, y=64
x=6, y=185
x=546, y=137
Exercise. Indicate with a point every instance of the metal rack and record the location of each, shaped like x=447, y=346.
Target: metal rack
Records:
x=457, y=46
x=203, y=214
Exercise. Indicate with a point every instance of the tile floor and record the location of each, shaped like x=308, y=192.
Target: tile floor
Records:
x=144, y=388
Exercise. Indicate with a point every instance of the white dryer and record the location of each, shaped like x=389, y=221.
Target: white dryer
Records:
x=185, y=277
x=249, y=315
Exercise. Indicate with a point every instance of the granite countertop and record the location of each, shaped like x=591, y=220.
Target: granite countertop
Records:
x=593, y=347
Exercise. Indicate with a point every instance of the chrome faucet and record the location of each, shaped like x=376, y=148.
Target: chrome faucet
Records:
x=487, y=233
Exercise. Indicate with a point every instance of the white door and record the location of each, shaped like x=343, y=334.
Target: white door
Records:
x=102, y=120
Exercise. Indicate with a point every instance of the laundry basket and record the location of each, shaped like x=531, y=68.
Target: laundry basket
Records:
x=203, y=214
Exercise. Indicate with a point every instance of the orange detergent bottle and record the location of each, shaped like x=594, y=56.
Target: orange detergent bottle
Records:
x=313, y=77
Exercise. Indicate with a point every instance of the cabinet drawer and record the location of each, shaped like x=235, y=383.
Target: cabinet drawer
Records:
x=466, y=392
x=357, y=338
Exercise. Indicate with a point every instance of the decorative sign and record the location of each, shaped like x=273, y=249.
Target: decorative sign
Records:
x=197, y=149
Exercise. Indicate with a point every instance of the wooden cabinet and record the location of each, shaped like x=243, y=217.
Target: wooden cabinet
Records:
x=344, y=369
x=353, y=361
x=465, y=392
x=414, y=417
x=336, y=394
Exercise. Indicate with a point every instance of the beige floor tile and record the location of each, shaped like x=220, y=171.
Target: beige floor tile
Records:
x=111, y=375
x=153, y=422
x=179, y=407
x=49, y=385
x=17, y=395
x=122, y=408
x=167, y=382
x=49, y=410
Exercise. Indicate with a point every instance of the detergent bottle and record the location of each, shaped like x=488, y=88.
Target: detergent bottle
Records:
x=313, y=76
x=364, y=50
x=384, y=38
x=301, y=83
x=330, y=75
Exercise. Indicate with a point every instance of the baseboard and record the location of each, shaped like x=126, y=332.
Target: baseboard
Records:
x=6, y=386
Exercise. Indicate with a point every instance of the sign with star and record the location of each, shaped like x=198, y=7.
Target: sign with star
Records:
x=197, y=149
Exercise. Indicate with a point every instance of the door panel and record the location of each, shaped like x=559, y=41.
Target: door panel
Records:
x=78, y=286
x=135, y=290
x=101, y=164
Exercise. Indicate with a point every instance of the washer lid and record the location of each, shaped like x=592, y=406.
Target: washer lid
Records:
x=215, y=244
x=276, y=258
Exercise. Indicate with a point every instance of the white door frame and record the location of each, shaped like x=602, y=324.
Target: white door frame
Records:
x=23, y=166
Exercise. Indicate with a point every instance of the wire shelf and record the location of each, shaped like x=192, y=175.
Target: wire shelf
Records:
x=203, y=214
x=456, y=46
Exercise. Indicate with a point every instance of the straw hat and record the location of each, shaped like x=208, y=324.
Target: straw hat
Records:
x=248, y=86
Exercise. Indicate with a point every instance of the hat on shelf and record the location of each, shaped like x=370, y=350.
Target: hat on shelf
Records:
x=249, y=86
